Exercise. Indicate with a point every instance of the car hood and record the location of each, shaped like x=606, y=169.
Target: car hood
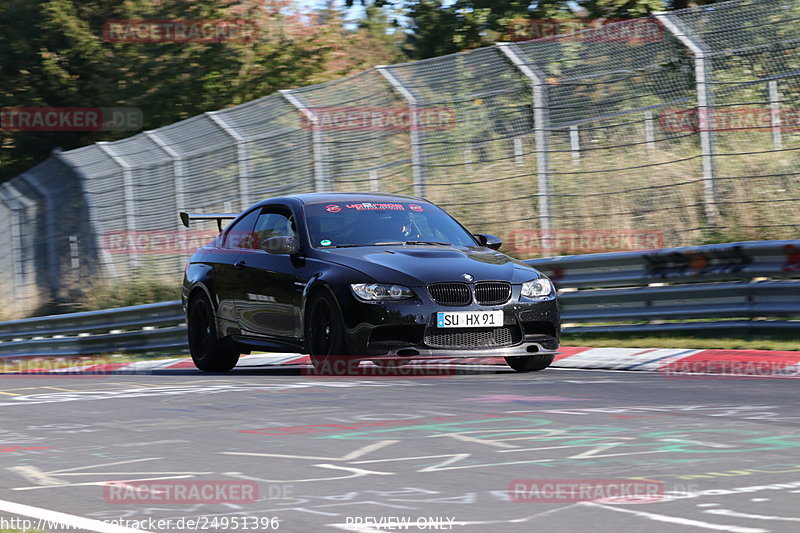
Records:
x=420, y=265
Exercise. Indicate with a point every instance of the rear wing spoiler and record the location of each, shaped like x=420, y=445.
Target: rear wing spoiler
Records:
x=219, y=217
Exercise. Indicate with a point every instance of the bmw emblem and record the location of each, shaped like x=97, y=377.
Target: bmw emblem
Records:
x=468, y=277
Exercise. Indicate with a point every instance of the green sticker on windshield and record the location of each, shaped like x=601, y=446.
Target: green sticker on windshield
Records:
x=325, y=242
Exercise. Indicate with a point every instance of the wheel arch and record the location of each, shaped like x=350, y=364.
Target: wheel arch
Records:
x=200, y=288
x=319, y=286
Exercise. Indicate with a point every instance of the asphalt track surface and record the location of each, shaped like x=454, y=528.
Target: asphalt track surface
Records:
x=411, y=454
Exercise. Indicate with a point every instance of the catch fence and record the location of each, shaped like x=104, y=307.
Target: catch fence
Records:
x=684, y=124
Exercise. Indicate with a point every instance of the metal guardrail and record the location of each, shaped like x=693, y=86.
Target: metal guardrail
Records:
x=748, y=284
x=138, y=328
x=738, y=261
x=725, y=287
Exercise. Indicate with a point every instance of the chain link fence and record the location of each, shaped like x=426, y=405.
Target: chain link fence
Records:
x=685, y=124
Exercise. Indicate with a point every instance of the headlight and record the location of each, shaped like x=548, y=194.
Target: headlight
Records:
x=377, y=291
x=537, y=288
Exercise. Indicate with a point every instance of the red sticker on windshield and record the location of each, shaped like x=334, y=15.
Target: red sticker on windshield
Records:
x=415, y=207
x=333, y=208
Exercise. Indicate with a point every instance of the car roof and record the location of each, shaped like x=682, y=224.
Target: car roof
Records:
x=320, y=197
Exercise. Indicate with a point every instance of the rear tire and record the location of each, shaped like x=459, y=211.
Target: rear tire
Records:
x=530, y=363
x=325, y=338
x=208, y=352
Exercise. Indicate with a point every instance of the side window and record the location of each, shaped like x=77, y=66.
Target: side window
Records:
x=273, y=223
x=240, y=234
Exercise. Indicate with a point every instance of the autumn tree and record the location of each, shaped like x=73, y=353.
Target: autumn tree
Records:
x=54, y=55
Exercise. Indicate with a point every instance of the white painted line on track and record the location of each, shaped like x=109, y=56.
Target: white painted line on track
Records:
x=57, y=520
x=679, y=520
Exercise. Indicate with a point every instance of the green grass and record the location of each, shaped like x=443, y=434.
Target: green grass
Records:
x=744, y=341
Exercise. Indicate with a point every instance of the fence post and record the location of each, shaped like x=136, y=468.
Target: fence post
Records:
x=127, y=190
x=53, y=269
x=541, y=129
x=649, y=131
x=242, y=155
x=317, y=139
x=105, y=257
x=177, y=171
x=519, y=160
x=373, y=181
x=705, y=107
x=575, y=145
x=775, y=110
x=417, y=158
x=16, y=247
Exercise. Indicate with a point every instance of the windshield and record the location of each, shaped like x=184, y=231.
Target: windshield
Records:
x=341, y=224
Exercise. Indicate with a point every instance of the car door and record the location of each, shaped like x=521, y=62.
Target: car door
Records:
x=269, y=306
x=227, y=283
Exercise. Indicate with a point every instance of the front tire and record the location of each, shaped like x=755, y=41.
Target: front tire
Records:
x=530, y=363
x=325, y=338
x=208, y=353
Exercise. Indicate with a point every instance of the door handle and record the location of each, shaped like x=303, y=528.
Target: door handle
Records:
x=238, y=265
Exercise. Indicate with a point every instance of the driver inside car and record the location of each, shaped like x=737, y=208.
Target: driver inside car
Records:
x=391, y=226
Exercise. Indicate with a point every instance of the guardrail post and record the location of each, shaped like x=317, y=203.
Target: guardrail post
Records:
x=417, y=158
x=177, y=172
x=540, y=126
x=127, y=176
x=705, y=107
x=317, y=139
x=242, y=155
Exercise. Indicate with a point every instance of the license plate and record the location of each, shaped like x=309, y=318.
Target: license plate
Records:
x=469, y=319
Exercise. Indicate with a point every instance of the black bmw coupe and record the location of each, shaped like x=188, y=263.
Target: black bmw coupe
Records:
x=356, y=276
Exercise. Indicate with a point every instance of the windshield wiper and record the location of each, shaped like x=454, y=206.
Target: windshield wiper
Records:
x=407, y=243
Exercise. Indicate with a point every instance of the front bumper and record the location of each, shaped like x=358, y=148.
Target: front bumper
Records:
x=408, y=329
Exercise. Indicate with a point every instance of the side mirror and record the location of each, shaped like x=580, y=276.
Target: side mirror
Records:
x=489, y=241
x=282, y=244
